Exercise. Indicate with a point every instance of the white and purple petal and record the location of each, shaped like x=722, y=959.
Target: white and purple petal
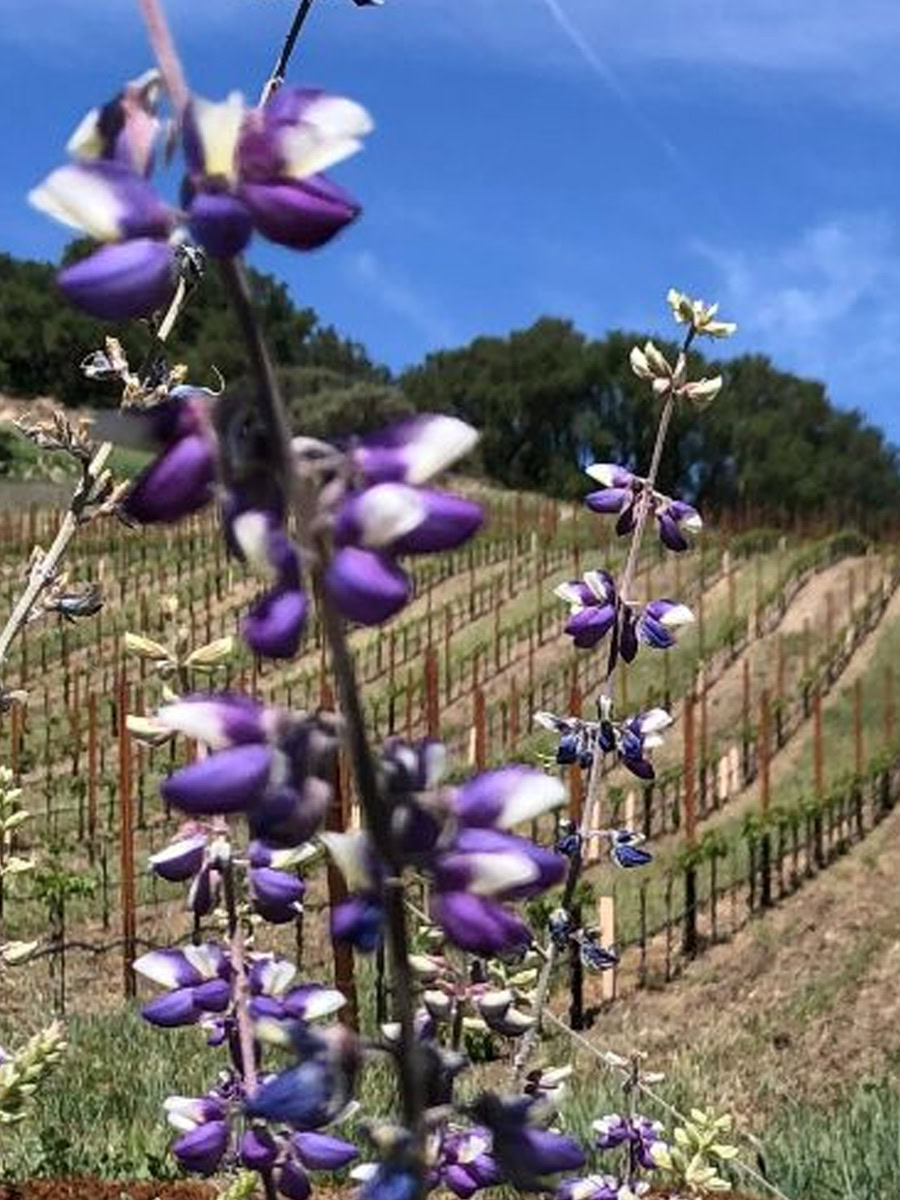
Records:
x=414, y=450
x=507, y=797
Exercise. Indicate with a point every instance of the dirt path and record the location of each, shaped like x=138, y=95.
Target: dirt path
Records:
x=797, y=1005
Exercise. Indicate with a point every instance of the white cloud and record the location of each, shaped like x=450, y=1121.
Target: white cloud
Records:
x=825, y=303
x=399, y=298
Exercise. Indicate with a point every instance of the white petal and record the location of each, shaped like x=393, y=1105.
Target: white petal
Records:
x=492, y=873
x=331, y=130
x=204, y=959
x=692, y=523
x=86, y=141
x=251, y=532
x=438, y=443
x=535, y=793
x=218, y=128
x=196, y=719
x=546, y=720
x=277, y=976
x=654, y=720
x=157, y=968
x=679, y=615
x=324, y=1003
x=492, y=1004
x=603, y=473
x=597, y=584
x=350, y=852
x=387, y=511
x=80, y=199
x=569, y=593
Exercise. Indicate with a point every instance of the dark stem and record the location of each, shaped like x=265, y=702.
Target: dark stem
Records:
x=276, y=79
x=271, y=410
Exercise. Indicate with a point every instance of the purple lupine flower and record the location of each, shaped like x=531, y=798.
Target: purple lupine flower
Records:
x=593, y=607
x=181, y=859
x=659, y=621
x=123, y=130
x=594, y=955
x=274, y=625
x=180, y=479
x=260, y=168
x=479, y=924
x=414, y=450
x=638, y=735
x=590, y=1187
x=279, y=780
x=463, y=1163
x=275, y=895
x=507, y=797
x=625, y=850
x=638, y=1133
x=318, y=1088
x=197, y=982
x=368, y=588
x=323, y=1151
x=259, y=1149
x=202, y=1149
x=526, y=1152
x=619, y=495
x=675, y=518
x=630, y=739
x=136, y=272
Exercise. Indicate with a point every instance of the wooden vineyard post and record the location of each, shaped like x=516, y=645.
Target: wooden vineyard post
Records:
x=807, y=637
x=745, y=719
x=432, y=693
x=764, y=799
x=336, y=821
x=829, y=620
x=818, y=776
x=689, y=931
x=607, y=917
x=478, y=725
x=92, y=777
x=126, y=846
x=704, y=735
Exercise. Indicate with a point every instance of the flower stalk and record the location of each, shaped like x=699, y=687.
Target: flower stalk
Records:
x=592, y=802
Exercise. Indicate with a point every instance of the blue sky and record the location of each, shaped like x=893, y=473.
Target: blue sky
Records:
x=564, y=157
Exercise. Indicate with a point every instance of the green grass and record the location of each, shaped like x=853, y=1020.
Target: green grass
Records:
x=101, y=1114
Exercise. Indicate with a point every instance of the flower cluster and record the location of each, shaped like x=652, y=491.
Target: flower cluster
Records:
x=630, y=740
x=460, y=838
x=246, y=169
x=595, y=609
x=620, y=493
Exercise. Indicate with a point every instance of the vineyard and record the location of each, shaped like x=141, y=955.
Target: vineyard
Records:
x=765, y=779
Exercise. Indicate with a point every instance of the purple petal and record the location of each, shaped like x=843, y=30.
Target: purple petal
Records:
x=178, y=483
x=259, y=1149
x=479, y=925
x=276, y=895
x=220, y=720
x=181, y=860
x=213, y=996
x=608, y=500
x=220, y=222
x=322, y=1152
x=202, y=1149
x=273, y=628
x=293, y=1182
x=449, y=522
x=358, y=921
x=368, y=588
x=118, y=282
x=547, y=1153
x=302, y=214
x=506, y=797
x=670, y=534
x=226, y=782
x=172, y=1009
x=588, y=626
x=286, y=817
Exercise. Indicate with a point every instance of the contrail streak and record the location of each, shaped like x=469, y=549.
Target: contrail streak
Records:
x=599, y=67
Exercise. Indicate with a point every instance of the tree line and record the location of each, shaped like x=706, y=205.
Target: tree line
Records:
x=548, y=400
